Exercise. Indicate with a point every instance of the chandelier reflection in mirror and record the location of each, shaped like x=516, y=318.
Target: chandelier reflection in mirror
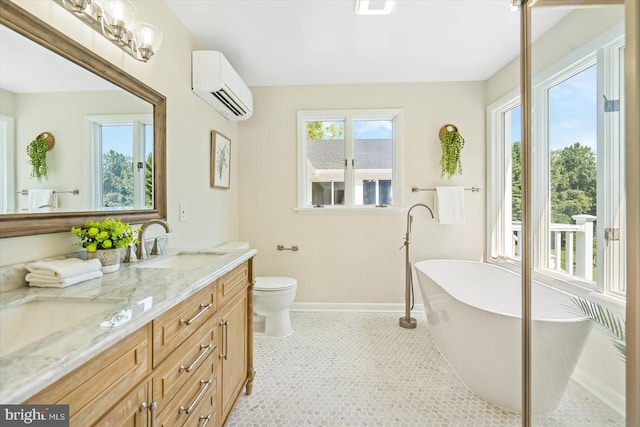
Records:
x=115, y=19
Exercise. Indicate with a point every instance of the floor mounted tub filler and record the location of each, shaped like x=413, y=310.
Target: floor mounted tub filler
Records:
x=474, y=314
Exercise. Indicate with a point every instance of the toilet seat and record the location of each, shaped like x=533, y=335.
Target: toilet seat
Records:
x=274, y=283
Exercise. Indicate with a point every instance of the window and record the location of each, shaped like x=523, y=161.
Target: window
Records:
x=123, y=158
x=578, y=172
x=348, y=159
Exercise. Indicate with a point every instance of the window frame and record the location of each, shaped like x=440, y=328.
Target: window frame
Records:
x=349, y=116
x=138, y=122
x=7, y=142
x=597, y=51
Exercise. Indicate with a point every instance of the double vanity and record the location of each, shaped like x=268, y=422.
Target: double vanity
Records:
x=165, y=341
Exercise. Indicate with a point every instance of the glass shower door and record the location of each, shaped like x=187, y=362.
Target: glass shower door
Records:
x=577, y=216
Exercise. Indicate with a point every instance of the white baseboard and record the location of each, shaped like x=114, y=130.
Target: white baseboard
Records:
x=355, y=307
x=613, y=399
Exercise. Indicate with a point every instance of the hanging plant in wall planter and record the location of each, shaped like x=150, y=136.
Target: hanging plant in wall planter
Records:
x=452, y=144
x=37, y=152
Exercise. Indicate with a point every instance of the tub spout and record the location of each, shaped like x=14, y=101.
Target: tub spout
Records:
x=407, y=321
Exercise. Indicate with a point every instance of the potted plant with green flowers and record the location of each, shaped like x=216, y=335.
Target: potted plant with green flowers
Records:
x=104, y=241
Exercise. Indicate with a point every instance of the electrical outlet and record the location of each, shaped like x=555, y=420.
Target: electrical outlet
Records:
x=182, y=212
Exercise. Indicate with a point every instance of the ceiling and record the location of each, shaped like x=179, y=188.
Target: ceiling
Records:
x=299, y=42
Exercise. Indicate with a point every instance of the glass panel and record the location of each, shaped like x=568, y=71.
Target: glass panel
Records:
x=512, y=128
x=572, y=164
x=117, y=165
x=384, y=191
x=369, y=192
x=575, y=362
x=373, y=158
x=325, y=166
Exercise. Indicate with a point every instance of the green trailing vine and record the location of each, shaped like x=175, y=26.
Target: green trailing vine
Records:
x=37, y=152
x=450, y=162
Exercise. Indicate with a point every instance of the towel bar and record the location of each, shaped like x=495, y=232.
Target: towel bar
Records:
x=474, y=189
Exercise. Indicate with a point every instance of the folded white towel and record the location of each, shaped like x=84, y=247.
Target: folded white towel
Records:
x=450, y=205
x=63, y=268
x=51, y=282
x=42, y=198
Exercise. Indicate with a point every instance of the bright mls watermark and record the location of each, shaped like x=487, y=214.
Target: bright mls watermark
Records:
x=34, y=415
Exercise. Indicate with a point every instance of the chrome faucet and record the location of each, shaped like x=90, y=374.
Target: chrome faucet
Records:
x=141, y=251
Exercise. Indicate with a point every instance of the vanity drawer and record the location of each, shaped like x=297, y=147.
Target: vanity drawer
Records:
x=180, y=365
x=205, y=414
x=173, y=327
x=200, y=388
x=91, y=389
x=232, y=282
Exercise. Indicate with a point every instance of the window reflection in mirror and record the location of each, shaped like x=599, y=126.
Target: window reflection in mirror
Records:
x=111, y=170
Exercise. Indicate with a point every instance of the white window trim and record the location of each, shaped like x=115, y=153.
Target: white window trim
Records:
x=7, y=157
x=499, y=169
x=138, y=121
x=348, y=116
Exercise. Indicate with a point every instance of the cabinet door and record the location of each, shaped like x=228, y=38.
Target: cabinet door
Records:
x=233, y=343
x=129, y=412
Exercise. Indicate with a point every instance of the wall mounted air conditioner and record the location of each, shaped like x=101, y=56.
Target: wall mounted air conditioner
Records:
x=215, y=81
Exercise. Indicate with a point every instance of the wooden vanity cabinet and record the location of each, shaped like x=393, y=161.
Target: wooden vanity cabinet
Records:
x=186, y=367
x=236, y=327
x=129, y=412
x=91, y=390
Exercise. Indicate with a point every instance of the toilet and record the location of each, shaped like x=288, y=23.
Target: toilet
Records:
x=272, y=297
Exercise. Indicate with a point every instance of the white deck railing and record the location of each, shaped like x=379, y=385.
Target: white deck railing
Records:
x=581, y=253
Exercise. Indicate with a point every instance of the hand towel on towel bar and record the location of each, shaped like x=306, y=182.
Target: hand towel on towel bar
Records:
x=64, y=268
x=57, y=282
x=450, y=205
x=41, y=198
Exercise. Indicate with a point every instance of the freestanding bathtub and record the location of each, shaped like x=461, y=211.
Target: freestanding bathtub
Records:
x=474, y=314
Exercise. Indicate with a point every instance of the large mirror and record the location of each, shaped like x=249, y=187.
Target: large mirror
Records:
x=107, y=130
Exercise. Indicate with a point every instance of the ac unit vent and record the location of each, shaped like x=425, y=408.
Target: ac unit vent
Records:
x=229, y=102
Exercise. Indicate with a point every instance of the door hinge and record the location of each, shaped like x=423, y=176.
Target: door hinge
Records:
x=611, y=105
x=611, y=234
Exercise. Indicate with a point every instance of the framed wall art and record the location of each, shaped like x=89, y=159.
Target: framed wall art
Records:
x=220, y=160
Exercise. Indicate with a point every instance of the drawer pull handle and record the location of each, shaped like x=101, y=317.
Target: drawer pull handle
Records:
x=225, y=333
x=205, y=419
x=204, y=386
x=203, y=308
x=203, y=350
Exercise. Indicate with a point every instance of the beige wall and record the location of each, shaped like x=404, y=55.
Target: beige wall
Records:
x=347, y=257
x=212, y=214
x=575, y=30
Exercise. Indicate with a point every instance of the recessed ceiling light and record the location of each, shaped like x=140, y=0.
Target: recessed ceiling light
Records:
x=375, y=7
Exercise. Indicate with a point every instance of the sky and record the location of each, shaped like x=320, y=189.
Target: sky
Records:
x=572, y=112
x=120, y=139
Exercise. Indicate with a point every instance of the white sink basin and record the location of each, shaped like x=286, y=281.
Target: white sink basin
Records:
x=183, y=260
x=34, y=320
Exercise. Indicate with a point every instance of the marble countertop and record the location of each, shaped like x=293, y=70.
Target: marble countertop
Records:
x=131, y=298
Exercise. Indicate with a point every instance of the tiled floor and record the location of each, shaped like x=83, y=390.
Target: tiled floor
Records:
x=362, y=369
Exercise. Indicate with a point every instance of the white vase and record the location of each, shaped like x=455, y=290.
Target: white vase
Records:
x=109, y=258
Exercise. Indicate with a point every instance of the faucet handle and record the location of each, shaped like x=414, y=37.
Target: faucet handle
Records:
x=130, y=255
x=156, y=246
